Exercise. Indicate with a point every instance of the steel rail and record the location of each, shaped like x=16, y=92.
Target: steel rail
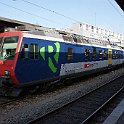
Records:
x=95, y=112
x=91, y=115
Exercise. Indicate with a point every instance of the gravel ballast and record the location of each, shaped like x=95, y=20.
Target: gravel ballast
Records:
x=23, y=111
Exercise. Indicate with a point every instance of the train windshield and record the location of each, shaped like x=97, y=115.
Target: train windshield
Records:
x=8, y=47
x=0, y=43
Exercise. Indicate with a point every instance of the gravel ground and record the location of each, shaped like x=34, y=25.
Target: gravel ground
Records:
x=28, y=109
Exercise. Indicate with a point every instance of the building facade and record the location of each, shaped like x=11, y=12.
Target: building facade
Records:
x=96, y=32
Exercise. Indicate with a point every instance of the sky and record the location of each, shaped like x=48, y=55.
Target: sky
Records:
x=104, y=14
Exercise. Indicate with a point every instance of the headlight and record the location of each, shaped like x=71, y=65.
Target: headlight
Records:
x=7, y=73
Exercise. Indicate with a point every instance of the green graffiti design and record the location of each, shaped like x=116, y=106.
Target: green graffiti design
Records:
x=42, y=52
x=56, y=56
x=50, y=49
x=51, y=65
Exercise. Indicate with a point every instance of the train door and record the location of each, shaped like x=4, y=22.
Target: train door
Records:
x=109, y=57
x=69, y=66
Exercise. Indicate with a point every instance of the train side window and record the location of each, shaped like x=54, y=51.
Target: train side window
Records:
x=87, y=54
x=94, y=54
x=118, y=55
x=70, y=54
x=100, y=54
x=104, y=54
x=114, y=55
x=24, y=52
x=121, y=55
x=33, y=51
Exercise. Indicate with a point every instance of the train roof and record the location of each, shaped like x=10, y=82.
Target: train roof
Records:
x=62, y=36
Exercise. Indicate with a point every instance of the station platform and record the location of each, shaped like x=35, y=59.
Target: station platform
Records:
x=117, y=115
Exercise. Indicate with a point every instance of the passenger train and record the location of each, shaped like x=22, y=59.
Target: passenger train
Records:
x=32, y=58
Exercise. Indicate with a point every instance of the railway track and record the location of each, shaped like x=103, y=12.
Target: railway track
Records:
x=6, y=101
x=102, y=114
x=83, y=109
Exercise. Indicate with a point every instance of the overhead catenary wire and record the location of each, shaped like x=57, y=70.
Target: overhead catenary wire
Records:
x=67, y=17
x=28, y=12
x=52, y=11
x=115, y=9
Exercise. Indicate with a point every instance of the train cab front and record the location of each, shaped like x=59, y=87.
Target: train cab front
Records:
x=9, y=50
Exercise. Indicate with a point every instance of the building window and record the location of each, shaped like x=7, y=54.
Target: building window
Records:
x=75, y=39
x=70, y=53
x=67, y=38
x=33, y=51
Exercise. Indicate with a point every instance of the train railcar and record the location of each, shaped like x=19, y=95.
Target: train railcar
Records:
x=32, y=58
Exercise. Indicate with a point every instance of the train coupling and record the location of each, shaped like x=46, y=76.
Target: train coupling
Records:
x=7, y=88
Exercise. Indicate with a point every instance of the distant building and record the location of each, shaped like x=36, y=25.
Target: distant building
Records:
x=77, y=28
x=96, y=32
